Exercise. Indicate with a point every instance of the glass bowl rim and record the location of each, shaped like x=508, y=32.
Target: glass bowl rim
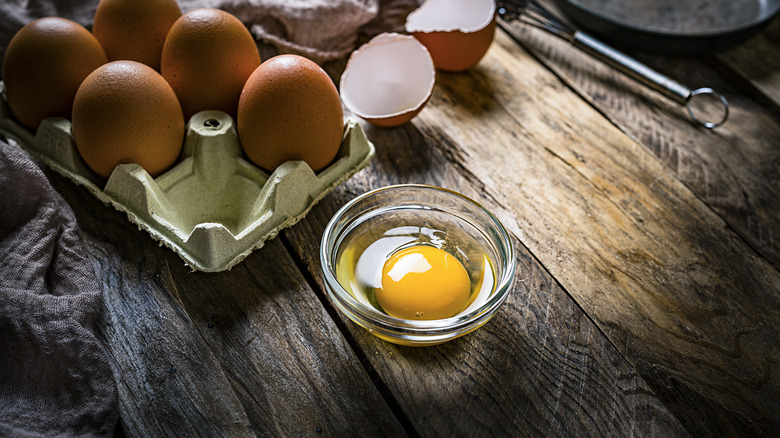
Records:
x=419, y=327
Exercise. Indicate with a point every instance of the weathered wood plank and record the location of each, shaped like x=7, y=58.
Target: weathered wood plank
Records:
x=287, y=361
x=240, y=353
x=164, y=369
x=758, y=61
x=733, y=168
x=540, y=367
x=678, y=293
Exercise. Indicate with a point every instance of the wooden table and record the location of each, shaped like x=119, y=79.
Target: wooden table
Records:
x=647, y=295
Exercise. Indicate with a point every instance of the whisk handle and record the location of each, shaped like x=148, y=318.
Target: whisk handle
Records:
x=646, y=75
x=631, y=67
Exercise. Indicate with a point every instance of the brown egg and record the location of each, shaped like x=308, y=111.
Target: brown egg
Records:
x=458, y=33
x=125, y=112
x=207, y=57
x=44, y=65
x=290, y=110
x=134, y=30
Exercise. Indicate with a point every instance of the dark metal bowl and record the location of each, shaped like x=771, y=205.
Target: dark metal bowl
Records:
x=672, y=27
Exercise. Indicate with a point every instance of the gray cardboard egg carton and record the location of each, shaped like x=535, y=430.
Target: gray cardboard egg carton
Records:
x=213, y=208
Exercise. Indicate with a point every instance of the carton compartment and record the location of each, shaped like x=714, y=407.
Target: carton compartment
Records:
x=213, y=208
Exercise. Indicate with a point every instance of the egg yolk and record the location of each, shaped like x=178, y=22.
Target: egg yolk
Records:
x=423, y=282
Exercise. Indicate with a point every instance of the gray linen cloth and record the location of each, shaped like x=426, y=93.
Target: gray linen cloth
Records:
x=55, y=378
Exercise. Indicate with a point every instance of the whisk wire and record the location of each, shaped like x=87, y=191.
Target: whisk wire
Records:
x=536, y=15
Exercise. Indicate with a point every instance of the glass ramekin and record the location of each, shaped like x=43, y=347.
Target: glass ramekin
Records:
x=416, y=203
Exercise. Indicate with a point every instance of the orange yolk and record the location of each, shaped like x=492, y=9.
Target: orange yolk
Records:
x=423, y=282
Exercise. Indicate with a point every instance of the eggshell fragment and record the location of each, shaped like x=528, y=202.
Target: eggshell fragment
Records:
x=457, y=33
x=388, y=80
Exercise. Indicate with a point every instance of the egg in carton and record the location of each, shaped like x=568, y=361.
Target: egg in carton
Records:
x=213, y=208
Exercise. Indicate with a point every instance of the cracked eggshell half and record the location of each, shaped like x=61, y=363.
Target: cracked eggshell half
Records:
x=457, y=33
x=388, y=80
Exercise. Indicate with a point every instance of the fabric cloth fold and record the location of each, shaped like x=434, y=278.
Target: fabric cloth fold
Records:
x=55, y=378
x=321, y=30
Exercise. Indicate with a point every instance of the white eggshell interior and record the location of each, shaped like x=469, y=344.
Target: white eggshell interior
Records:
x=451, y=15
x=391, y=74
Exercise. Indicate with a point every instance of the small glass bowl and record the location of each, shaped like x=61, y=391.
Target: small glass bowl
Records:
x=416, y=206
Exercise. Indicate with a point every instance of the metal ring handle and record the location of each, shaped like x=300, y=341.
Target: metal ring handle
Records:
x=646, y=75
x=705, y=90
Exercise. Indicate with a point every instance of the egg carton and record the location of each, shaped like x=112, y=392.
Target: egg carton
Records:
x=213, y=208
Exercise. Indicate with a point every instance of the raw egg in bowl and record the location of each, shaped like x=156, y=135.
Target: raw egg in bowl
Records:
x=417, y=265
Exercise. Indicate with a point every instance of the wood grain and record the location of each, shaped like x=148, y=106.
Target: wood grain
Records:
x=540, y=366
x=164, y=369
x=758, y=61
x=734, y=168
x=241, y=353
x=682, y=297
x=287, y=361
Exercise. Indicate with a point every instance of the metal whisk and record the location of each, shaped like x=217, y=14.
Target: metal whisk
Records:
x=532, y=13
